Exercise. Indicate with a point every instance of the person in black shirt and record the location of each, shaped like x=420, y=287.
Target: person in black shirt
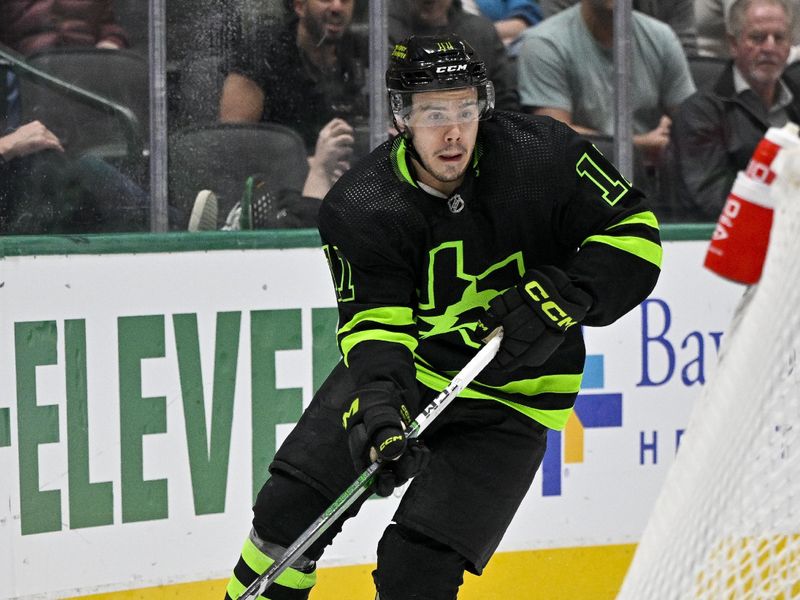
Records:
x=308, y=73
x=437, y=17
x=470, y=219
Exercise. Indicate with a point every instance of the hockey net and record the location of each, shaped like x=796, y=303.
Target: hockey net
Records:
x=726, y=524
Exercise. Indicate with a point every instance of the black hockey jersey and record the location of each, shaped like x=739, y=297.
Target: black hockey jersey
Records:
x=413, y=272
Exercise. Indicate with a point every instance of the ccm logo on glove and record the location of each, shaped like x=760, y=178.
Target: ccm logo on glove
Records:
x=549, y=308
x=375, y=422
x=535, y=316
x=389, y=441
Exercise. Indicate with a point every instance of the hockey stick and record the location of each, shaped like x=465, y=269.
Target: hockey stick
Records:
x=362, y=483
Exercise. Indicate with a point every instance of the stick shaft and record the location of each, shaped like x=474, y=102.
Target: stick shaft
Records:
x=363, y=482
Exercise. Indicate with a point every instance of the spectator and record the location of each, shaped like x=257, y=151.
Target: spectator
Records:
x=432, y=17
x=42, y=192
x=678, y=14
x=308, y=73
x=716, y=132
x=29, y=139
x=28, y=26
x=510, y=17
x=302, y=73
x=711, y=34
x=566, y=71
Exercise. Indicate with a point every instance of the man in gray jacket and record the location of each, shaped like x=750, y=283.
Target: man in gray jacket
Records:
x=710, y=16
x=714, y=133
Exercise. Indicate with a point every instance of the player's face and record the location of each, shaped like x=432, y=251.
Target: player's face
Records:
x=761, y=50
x=326, y=20
x=444, y=127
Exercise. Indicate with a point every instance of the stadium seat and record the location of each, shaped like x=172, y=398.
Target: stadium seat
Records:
x=118, y=77
x=221, y=156
x=706, y=70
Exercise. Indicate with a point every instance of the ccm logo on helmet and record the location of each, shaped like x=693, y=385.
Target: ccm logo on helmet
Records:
x=451, y=69
x=554, y=312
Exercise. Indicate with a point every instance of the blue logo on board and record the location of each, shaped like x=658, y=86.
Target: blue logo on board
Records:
x=592, y=410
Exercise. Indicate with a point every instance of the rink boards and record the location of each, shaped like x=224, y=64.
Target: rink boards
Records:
x=144, y=387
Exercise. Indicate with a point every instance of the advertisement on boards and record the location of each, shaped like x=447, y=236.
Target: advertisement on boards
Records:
x=143, y=395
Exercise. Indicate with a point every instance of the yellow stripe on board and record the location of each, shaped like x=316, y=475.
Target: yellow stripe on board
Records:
x=591, y=573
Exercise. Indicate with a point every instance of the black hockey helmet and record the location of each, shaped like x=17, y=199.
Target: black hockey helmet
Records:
x=429, y=63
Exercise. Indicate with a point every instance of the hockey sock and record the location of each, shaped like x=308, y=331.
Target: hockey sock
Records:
x=294, y=583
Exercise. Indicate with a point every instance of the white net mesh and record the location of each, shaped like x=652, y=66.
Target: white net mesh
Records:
x=727, y=522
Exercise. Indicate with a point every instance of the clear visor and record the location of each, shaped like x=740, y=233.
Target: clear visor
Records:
x=437, y=110
x=438, y=113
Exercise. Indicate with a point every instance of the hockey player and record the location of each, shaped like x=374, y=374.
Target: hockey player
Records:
x=469, y=219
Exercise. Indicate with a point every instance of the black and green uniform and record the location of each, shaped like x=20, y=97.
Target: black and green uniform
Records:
x=413, y=272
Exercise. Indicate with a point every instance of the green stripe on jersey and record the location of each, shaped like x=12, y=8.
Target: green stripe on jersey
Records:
x=397, y=316
x=642, y=218
x=558, y=384
x=644, y=249
x=381, y=335
x=390, y=316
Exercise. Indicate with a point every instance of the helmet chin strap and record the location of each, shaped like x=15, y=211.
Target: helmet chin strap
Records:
x=411, y=152
x=410, y=149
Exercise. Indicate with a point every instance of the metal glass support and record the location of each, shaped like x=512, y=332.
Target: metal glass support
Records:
x=378, y=57
x=623, y=75
x=157, y=51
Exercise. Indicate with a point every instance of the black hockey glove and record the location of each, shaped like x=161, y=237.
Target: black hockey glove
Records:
x=535, y=316
x=375, y=426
